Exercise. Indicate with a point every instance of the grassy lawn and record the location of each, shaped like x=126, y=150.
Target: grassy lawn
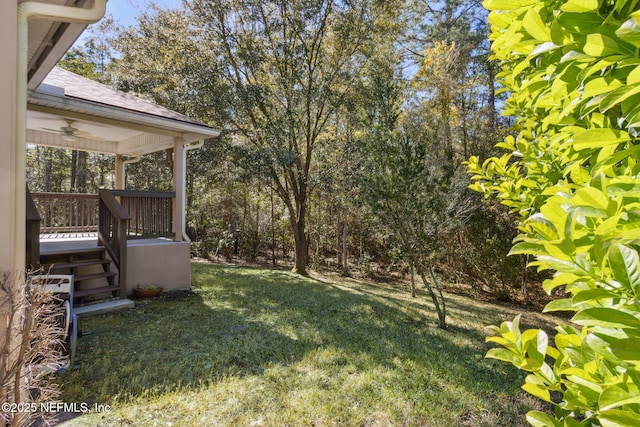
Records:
x=257, y=347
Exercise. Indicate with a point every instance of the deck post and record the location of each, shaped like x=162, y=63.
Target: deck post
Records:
x=179, y=182
x=119, y=173
x=33, y=234
x=112, y=234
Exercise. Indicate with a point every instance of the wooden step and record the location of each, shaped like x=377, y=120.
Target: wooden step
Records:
x=75, y=264
x=86, y=292
x=73, y=251
x=76, y=260
x=83, y=277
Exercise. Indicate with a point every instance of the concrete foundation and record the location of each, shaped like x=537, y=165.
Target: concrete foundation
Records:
x=159, y=262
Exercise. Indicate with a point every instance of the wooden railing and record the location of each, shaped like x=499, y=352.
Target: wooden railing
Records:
x=112, y=234
x=67, y=212
x=33, y=234
x=151, y=213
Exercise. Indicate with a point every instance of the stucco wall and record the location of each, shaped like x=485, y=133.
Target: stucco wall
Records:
x=158, y=262
x=8, y=35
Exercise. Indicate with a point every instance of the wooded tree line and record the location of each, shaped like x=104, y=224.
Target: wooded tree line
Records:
x=345, y=128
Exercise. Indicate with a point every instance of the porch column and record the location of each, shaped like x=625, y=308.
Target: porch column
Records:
x=119, y=178
x=12, y=187
x=180, y=185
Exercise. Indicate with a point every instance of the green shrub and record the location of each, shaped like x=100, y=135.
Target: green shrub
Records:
x=572, y=177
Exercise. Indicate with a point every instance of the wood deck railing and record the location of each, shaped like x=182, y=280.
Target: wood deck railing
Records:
x=151, y=213
x=137, y=214
x=33, y=234
x=67, y=212
x=112, y=234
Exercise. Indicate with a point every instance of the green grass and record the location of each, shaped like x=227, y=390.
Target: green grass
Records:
x=262, y=347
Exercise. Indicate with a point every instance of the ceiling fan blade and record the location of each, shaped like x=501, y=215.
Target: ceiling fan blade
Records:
x=88, y=135
x=52, y=130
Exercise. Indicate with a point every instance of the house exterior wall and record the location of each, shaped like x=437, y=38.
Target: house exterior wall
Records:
x=8, y=35
x=158, y=262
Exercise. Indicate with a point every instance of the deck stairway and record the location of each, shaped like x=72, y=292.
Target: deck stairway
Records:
x=86, y=235
x=92, y=270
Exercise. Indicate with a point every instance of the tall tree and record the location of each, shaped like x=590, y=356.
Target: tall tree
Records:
x=289, y=65
x=165, y=58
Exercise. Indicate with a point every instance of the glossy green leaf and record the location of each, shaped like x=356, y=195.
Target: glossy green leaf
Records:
x=506, y=4
x=580, y=6
x=590, y=196
x=563, y=304
x=629, y=31
x=540, y=419
x=596, y=138
x=617, y=96
x=534, y=25
x=593, y=295
x=536, y=387
x=618, y=418
x=559, y=279
x=503, y=355
x=527, y=248
x=615, y=396
x=562, y=266
x=615, y=158
x=600, y=45
x=599, y=86
x=625, y=266
x=626, y=349
x=606, y=317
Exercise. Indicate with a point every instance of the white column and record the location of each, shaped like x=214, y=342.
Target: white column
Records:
x=119, y=179
x=12, y=250
x=180, y=186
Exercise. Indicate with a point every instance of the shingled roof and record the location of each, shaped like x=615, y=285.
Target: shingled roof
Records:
x=112, y=121
x=81, y=88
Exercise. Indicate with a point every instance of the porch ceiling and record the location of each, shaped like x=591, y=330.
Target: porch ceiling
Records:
x=103, y=119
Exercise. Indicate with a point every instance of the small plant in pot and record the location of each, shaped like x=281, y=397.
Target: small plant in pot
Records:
x=147, y=291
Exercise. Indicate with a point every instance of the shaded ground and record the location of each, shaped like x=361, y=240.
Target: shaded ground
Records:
x=252, y=346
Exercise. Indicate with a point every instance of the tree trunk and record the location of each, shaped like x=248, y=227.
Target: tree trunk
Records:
x=438, y=299
x=81, y=172
x=74, y=171
x=301, y=241
x=273, y=230
x=413, y=279
x=345, y=247
x=48, y=170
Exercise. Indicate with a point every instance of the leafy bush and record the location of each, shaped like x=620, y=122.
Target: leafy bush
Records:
x=572, y=177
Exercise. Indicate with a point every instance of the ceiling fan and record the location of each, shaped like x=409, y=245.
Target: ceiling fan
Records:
x=69, y=132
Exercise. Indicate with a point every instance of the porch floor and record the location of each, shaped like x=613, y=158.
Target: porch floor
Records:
x=69, y=242
x=66, y=242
